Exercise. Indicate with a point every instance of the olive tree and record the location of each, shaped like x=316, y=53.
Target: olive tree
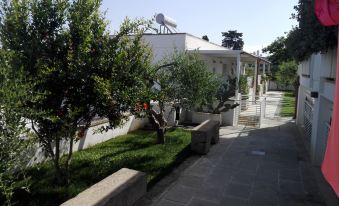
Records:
x=181, y=79
x=64, y=46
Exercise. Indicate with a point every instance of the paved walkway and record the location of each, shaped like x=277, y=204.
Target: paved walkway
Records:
x=257, y=167
x=273, y=101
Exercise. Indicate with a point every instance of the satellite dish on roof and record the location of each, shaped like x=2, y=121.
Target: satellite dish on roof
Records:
x=168, y=24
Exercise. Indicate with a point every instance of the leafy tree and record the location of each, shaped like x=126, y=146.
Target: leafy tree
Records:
x=182, y=79
x=243, y=85
x=287, y=74
x=232, y=40
x=64, y=47
x=15, y=144
x=205, y=37
x=309, y=36
x=278, y=53
x=225, y=91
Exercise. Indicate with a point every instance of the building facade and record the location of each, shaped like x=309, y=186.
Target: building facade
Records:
x=315, y=100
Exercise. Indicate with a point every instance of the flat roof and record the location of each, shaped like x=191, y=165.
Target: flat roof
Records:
x=188, y=34
x=225, y=50
x=230, y=53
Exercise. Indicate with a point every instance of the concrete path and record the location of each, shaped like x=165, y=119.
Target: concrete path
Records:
x=249, y=167
x=273, y=104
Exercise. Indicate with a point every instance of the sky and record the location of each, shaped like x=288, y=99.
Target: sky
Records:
x=260, y=21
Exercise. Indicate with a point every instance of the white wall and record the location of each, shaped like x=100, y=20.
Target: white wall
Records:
x=316, y=75
x=217, y=65
x=92, y=138
x=164, y=44
x=273, y=86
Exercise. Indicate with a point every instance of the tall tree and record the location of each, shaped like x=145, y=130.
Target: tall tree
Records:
x=309, y=36
x=15, y=141
x=205, y=37
x=278, y=54
x=232, y=40
x=277, y=50
x=287, y=74
x=181, y=79
x=64, y=47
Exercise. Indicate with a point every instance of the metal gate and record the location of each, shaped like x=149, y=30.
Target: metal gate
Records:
x=308, y=116
x=273, y=106
x=250, y=112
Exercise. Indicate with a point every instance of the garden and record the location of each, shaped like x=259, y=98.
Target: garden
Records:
x=60, y=69
x=287, y=107
x=137, y=150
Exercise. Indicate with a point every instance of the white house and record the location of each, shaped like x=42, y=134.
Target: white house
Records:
x=220, y=60
x=315, y=100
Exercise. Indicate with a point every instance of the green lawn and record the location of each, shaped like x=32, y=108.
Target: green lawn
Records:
x=136, y=150
x=288, y=105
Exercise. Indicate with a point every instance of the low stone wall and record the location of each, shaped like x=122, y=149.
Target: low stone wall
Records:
x=200, y=117
x=203, y=135
x=122, y=188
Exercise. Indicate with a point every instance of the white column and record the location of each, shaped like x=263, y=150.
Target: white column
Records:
x=264, y=68
x=238, y=74
x=255, y=79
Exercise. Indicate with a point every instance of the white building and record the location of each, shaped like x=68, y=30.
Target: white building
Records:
x=220, y=60
x=315, y=100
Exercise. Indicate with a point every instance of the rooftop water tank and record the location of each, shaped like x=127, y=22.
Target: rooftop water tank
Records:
x=165, y=20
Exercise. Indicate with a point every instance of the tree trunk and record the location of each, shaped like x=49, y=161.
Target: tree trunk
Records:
x=159, y=122
x=68, y=160
x=161, y=135
x=56, y=160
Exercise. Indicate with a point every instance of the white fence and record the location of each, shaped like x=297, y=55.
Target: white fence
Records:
x=92, y=137
x=273, y=86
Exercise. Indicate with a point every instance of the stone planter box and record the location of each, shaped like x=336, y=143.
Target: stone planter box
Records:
x=200, y=117
x=122, y=188
x=203, y=135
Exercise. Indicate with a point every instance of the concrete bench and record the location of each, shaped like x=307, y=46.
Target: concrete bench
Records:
x=203, y=135
x=122, y=188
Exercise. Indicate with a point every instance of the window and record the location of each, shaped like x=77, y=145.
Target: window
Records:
x=224, y=70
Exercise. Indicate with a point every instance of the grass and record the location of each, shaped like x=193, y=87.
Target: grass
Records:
x=288, y=105
x=136, y=150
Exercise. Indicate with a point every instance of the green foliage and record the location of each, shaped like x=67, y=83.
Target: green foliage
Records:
x=243, y=85
x=278, y=53
x=226, y=90
x=181, y=79
x=136, y=150
x=186, y=81
x=205, y=37
x=65, y=47
x=250, y=72
x=15, y=143
x=309, y=36
x=287, y=74
x=232, y=40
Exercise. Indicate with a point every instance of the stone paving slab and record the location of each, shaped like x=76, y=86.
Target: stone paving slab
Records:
x=278, y=173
